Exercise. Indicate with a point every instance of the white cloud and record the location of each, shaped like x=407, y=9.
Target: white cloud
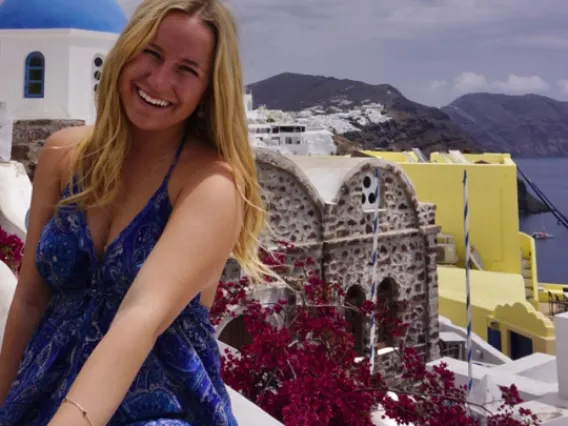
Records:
x=387, y=19
x=517, y=84
x=412, y=19
x=563, y=85
x=468, y=82
x=438, y=84
x=402, y=41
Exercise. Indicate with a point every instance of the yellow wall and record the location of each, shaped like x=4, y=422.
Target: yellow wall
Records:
x=488, y=290
x=437, y=157
x=555, y=289
x=493, y=206
x=489, y=157
x=395, y=157
x=497, y=298
x=522, y=318
x=528, y=251
x=455, y=311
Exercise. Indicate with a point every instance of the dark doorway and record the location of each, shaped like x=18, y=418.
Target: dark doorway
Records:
x=235, y=334
x=355, y=297
x=521, y=346
x=494, y=337
x=386, y=304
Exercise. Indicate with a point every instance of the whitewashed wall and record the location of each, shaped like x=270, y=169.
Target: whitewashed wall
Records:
x=15, y=198
x=6, y=131
x=68, y=86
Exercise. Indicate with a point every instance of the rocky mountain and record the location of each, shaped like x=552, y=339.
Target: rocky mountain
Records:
x=408, y=124
x=411, y=124
x=527, y=125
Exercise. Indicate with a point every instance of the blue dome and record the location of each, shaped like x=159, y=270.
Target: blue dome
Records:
x=94, y=15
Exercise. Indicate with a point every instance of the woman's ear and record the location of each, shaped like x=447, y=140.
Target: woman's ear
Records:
x=201, y=111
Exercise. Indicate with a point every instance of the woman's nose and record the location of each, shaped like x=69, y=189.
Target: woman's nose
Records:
x=159, y=80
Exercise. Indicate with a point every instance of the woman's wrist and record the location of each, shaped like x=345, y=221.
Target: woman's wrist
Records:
x=69, y=413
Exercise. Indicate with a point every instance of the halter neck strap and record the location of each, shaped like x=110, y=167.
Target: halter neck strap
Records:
x=178, y=153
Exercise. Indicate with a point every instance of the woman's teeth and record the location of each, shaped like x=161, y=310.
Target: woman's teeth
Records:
x=151, y=100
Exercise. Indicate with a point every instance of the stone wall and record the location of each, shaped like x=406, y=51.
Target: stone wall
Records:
x=283, y=192
x=337, y=233
x=30, y=135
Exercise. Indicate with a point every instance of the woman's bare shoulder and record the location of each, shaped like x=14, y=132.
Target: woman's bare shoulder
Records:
x=68, y=137
x=199, y=160
x=58, y=149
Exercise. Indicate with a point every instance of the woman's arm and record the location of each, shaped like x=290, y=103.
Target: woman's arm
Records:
x=32, y=294
x=189, y=256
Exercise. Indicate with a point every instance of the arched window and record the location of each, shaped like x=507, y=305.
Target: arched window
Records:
x=353, y=300
x=388, y=312
x=35, y=76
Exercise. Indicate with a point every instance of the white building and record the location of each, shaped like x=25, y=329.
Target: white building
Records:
x=51, y=54
x=281, y=132
x=541, y=379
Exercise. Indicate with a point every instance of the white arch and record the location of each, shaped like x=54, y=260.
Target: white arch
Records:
x=265, y=295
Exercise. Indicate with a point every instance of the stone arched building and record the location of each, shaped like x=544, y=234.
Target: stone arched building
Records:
x=325, y=206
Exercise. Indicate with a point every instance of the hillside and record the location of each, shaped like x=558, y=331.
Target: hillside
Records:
x=527, y=125
x=346, y=106
x=411, y=124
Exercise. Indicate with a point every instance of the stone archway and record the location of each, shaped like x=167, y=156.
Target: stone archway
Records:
x=232, y=329
x=235, y=333
x=386, y=303
x=355, y=297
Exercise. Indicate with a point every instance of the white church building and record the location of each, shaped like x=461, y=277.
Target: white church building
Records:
x=51, y=53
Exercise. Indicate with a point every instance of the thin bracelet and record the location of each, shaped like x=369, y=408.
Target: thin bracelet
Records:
x=81, y=409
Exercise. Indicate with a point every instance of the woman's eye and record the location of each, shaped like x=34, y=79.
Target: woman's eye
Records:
x=152, y=53
x=188, y=69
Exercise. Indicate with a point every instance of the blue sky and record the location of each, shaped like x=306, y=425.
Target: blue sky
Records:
x=431, y=50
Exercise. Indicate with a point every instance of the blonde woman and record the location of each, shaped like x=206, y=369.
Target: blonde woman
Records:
x=131, y=224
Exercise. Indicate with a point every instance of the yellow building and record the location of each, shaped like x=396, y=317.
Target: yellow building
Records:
x=500, y=313
x=505, y=288
x=493, y=207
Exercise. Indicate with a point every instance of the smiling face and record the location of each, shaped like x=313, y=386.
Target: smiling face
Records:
x=164, y=84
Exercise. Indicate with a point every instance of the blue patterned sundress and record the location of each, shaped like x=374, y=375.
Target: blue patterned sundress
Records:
x=179, y=384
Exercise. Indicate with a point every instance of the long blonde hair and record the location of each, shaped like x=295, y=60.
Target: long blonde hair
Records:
x=99, y=157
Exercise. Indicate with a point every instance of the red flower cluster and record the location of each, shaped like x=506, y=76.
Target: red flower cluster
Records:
x=307, y=373
x=11, y=250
